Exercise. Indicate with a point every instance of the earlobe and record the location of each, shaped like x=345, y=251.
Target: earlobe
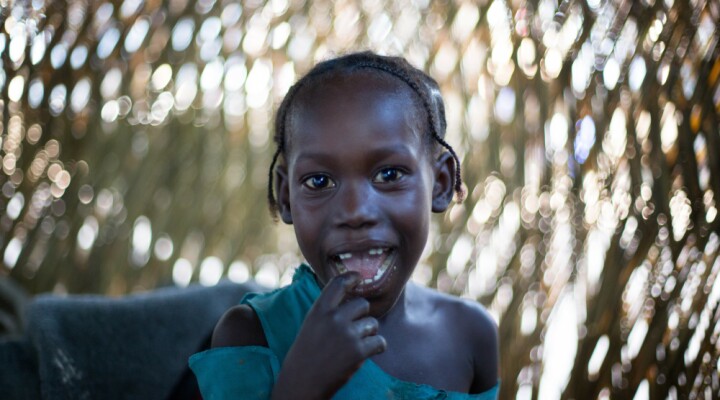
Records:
x=282, y=189
x=444, y=184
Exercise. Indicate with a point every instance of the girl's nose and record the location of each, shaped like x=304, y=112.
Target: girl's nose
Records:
x=356, y=206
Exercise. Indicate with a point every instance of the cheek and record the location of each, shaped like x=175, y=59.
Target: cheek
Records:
x=307, y=226
x=413, y=214
x=304, y=229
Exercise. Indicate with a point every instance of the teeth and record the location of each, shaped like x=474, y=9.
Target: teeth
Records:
x=381, y=271
x=372, y=252
x=378, y=275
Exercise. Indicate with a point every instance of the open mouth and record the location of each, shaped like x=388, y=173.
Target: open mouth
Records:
x=372, y=264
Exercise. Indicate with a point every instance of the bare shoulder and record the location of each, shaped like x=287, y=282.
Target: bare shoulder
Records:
x=467, y=315
x=475, y=329
x=239, y=326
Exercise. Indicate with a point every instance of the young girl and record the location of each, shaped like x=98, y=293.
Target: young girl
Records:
x=360, y=165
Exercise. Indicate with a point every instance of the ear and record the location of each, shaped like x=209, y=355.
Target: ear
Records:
x=282, y=189
x=444, y=183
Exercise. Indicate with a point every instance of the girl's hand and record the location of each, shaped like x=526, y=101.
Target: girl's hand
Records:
x=335, y=339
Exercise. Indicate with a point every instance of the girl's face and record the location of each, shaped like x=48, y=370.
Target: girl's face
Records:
x=358, y=184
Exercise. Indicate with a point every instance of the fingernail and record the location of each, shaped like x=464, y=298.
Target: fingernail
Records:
x=352, y=277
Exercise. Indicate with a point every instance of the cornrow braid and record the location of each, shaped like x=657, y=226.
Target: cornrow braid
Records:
x=279, y=138
x=423, y=85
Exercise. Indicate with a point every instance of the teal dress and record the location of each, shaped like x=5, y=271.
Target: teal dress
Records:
x=249, y=372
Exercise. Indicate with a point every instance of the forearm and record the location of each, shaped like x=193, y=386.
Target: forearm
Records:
x=285, y=391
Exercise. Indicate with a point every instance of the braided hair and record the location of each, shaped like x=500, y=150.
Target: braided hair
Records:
x=423, y=85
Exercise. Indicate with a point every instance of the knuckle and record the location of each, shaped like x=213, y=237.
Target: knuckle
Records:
x=374, y=325
x=370, y=326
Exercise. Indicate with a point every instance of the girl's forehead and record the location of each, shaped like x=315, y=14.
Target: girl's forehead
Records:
x=352, y=117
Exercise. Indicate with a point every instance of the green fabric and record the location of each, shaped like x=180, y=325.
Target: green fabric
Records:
x=281, y=314
x=220, y=372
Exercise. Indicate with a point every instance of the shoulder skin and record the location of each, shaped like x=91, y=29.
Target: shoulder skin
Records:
x=474, y=327
x=239, y=326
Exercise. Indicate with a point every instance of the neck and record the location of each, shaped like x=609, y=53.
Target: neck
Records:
x=398, y=311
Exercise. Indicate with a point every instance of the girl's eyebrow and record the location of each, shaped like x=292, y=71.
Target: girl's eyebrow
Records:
x=380, y=152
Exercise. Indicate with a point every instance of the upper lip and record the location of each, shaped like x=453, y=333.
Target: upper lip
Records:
x=359, y=246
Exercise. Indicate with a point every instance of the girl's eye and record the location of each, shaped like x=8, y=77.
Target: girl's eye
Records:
x=319, y=182
x=388, y=175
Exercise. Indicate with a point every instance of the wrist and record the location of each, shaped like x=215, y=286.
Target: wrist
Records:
x=291, y=386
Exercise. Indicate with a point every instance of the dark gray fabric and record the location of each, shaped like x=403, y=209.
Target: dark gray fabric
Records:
x=18, y=371
x=91, y=347
x=13, y=300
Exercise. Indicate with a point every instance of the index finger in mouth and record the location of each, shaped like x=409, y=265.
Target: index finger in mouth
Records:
x=337, y=290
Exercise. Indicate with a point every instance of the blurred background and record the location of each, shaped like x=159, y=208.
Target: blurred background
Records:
x=136, y=137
